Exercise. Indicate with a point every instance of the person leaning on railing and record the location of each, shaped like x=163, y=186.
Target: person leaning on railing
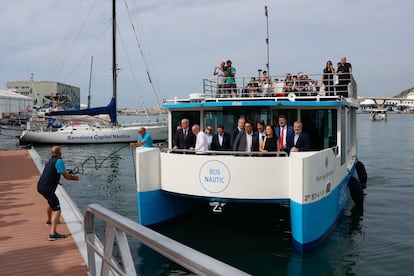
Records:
x=288, y=83
x=344, y=77
x=328, y=78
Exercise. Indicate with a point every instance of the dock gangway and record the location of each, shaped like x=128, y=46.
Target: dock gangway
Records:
x=116, y=231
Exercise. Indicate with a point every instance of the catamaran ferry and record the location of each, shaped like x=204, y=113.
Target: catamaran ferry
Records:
x=316, y=184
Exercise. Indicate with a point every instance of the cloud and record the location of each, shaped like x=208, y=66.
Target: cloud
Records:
x=183, y=40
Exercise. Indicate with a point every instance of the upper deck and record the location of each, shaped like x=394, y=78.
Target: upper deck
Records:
x=251, y=91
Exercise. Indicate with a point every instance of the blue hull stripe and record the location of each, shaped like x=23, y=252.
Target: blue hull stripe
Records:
x=312, y=223
x=158, y=206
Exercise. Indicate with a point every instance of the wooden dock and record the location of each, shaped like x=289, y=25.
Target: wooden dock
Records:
x=24, y=245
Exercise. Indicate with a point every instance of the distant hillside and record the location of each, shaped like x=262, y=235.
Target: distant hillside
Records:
x=404, y=93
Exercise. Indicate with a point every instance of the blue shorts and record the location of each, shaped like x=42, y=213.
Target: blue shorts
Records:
x=51, y=199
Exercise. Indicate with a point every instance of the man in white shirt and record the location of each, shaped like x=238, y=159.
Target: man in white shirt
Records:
x=201, y=139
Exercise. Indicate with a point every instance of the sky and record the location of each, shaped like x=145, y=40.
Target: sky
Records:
x=183, y=40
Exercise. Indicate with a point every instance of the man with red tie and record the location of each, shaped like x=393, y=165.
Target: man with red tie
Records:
x=283, y=132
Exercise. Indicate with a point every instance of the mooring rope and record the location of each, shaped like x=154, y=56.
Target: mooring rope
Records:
x=76, y=170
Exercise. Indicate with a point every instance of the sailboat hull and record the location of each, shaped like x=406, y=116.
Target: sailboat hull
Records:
x=92, y=135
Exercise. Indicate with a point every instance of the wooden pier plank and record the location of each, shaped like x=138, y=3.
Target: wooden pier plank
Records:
x=25, y=249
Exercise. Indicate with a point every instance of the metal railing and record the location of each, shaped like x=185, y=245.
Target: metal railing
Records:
x=117, y=227
x=215, y=152
x=311, y=85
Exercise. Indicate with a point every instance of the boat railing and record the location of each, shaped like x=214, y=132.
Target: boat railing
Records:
x=310, y=88
x=213, y=152
x=235, y=153
x=118, y=227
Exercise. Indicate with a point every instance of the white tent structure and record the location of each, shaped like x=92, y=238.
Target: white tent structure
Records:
x=12, y=103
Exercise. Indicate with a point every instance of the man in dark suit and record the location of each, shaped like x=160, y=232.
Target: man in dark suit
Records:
x=184, y=137
x=221, y=140
x=246, y=140
x=283, y=133
x=235, y=132
x=261, y=133
x=299, y=141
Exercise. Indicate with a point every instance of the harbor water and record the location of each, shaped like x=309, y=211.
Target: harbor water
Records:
x=377, y=239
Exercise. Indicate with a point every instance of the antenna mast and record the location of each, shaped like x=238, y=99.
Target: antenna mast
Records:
x=267, y=40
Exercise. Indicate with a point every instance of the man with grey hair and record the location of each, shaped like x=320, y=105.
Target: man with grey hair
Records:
x=299, y=141
x=184, y=137
x=240, y=127
x=201, y=139
x=344, y=77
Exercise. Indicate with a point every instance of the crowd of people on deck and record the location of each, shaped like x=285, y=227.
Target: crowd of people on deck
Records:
x=265, y=140
x=334, y=82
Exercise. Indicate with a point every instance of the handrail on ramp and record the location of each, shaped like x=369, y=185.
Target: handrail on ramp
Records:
x=118, y=227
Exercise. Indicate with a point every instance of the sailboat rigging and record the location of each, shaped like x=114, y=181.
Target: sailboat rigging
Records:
x=87, y=133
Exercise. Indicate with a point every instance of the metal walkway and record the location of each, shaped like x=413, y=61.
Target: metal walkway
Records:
x=24, y=247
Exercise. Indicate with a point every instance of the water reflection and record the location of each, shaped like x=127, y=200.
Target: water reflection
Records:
x=354, y=221
x=258, y=239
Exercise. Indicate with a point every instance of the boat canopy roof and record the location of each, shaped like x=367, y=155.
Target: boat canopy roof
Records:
x=252, y=102
x=313, y=91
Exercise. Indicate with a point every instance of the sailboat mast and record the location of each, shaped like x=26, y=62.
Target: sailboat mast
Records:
x=114, y=64
x=90, y=83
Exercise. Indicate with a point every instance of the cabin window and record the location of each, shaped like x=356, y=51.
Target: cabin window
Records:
x=254, y=114
x=321, y=125
x=215, y=118
x=343, y=135
x=290, y=114
x=229, y=117
x=177, y=116
x=349, y=130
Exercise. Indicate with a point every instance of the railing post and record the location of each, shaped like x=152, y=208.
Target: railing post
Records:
x=118, y=227
x=90, y=240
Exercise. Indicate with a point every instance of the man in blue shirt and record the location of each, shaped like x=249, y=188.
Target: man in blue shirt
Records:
x=47, y=185
x=144, y=139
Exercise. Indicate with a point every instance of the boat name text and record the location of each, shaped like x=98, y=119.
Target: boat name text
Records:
x=214, y=176
x=98, y=137
x=324, y=176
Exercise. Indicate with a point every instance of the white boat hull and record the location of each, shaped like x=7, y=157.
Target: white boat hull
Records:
x=314, y=184
x=92, y=135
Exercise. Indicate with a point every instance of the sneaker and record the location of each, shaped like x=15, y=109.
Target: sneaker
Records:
x=48, y=223
x=56, y=236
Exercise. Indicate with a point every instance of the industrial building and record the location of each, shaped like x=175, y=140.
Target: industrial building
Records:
x=48, y=94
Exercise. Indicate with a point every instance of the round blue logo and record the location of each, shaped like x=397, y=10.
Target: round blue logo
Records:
x=214, y=176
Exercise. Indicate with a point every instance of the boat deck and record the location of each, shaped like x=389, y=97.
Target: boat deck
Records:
x=25, y=249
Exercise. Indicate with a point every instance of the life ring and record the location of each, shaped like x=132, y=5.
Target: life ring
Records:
x=291, y=97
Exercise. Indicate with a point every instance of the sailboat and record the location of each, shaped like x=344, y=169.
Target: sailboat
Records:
x=82, y=132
